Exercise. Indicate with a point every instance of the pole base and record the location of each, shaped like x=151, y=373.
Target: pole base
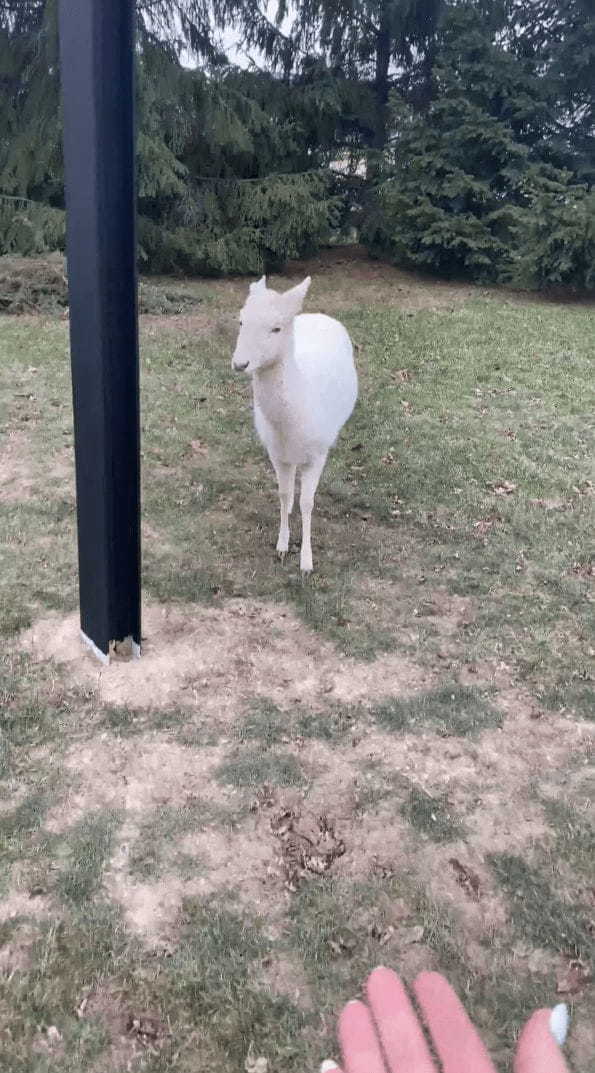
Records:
x=118, y=650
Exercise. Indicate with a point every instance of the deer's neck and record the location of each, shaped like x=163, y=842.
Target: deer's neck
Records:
x=275, y=389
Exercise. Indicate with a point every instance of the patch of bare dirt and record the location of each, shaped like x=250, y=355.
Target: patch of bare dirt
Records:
x=336, y=271
x=214, y=659
x=16, y=471
x=484, y=672
x=134, y=775
x=284, y=977
x=150, y=909
x=347, y=822
x=141, y=775
x=242, y=862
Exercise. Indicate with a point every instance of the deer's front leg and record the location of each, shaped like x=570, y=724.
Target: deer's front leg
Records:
x=286, y=482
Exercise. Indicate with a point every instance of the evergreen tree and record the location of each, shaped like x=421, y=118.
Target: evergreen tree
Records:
x=480, y=162
x=202, y=134
x=559, y=37
x=364, y=39
x=470, y=187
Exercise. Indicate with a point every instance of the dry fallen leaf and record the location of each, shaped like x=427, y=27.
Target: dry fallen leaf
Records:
x=573, y=978
x=343, y=944
x=389, y=459
x=584, y=569
x=309, y=845
x=503, y=488
x=484, y=525
x=147, y=1027
x=466, y=878
x=381, y=935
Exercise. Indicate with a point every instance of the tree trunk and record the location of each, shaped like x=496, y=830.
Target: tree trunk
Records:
x=381, y=82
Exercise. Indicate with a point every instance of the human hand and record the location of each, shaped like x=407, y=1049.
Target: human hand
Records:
x=385, y=1036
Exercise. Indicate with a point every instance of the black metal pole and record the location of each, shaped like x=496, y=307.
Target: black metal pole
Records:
x=97, y=60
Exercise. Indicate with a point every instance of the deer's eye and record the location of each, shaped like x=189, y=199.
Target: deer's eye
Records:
x=275, y=329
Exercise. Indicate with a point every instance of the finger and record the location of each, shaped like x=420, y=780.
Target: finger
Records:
x=538, y=1049
x=456, y=1040
x=400, y=1033
x=359, y=1043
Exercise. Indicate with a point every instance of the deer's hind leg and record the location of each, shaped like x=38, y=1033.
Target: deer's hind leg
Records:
x=311, y=475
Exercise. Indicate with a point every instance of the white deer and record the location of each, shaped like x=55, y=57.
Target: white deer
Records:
x=305, y=387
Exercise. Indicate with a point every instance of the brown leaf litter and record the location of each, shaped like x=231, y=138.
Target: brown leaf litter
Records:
x=466, y=879
x=573, y=978
x=309, y=845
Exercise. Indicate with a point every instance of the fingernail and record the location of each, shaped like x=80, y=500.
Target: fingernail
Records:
x=559, y=1022
x=327, y=1066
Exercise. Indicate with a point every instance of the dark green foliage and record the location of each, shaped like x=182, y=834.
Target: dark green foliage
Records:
x=557, y=245
x=558, y=37
x=471, y=186
x=464, y=132
x=29, y=227
x=231, y=165
x=447, y=203
x=243, y=227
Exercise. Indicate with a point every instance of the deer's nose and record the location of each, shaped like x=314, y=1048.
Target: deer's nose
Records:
x=239, y=367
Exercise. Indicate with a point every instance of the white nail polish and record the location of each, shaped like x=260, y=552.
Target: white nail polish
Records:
x=559, y=1022
x=328, y=1066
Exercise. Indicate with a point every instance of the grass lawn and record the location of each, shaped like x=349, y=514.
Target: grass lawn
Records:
x=203, y=853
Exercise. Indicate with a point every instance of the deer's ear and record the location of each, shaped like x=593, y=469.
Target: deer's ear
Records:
x=261, y=285
x=294, y=299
